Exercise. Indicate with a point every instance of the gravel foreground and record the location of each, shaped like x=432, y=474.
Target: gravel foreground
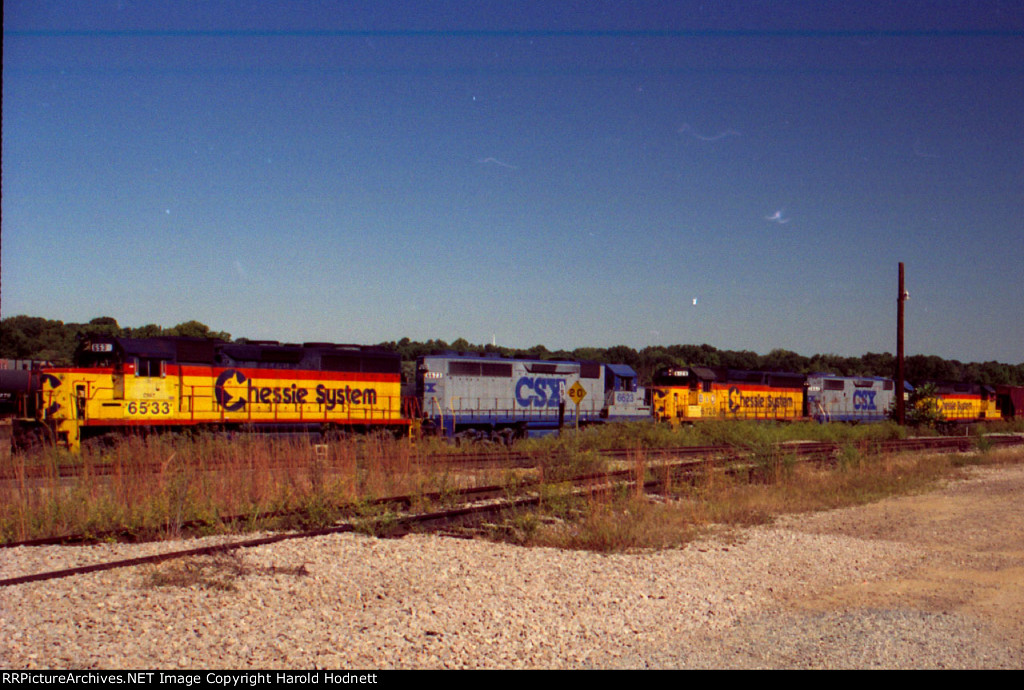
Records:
x=879, y=586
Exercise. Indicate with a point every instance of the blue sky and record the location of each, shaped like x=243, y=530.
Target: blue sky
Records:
x=561, y=173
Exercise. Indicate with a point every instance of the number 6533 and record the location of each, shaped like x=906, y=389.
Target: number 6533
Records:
x=149, y=407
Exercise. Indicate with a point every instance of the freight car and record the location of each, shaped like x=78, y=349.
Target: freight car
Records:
x=167, y=382
x=19, y=401
x=19, y=381
x=507, y=398
x=1010, y=401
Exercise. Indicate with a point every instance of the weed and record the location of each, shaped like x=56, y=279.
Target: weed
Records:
x=526, y=525
x=379, y=523
x=849, y=459
x=163, y=484
x=220, y=570
x=217, y=571
x=982, y=444
x=620, y=520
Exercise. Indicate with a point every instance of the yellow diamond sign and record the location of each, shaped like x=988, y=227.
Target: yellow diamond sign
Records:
x=577, y=393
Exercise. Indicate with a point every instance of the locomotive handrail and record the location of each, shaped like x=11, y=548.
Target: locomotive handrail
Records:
x=440, y=410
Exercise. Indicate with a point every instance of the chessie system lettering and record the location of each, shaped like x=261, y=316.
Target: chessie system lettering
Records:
x=234, y=390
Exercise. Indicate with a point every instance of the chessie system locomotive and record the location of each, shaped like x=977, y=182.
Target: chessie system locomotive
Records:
x=176, y=382
x=167, y=382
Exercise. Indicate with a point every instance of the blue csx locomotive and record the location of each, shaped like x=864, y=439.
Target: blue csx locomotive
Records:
x=489, y=395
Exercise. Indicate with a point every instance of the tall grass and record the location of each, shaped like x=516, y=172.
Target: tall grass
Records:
x=773, y=484
x=164, y=486
x=742, y=433
x=157, y=486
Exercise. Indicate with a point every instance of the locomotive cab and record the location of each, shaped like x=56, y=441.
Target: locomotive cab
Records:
x=623, y=397
x=682, y=394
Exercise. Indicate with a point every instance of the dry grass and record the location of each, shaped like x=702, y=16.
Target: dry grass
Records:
x=620, y=519
x=219, y=571
x=162, y=487
x=159, y=487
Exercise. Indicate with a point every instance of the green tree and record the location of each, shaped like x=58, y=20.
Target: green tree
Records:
x=878, y=364
x=102, y=325
x=535, y=352
x=622, y=354
x=743, y=359
x=923, y=407
x=651, y=359
x=930, y=368
x=784, y=360
x=32, y=337
x=696, y=355
x=588, y=354
x=462, y=345
x=195, y=329
x=150, y=330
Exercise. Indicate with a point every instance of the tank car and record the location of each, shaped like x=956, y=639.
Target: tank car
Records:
x=166, y=382
x=19, y=404
x=19, y=383
x=509, y=398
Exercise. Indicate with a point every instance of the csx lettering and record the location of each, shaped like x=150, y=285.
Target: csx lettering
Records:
x=864, y=400
x=537, y=392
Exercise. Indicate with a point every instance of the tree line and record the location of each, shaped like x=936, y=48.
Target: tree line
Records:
x=32, y=337
x=28, y=337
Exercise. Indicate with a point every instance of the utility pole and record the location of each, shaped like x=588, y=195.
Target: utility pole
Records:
x=901, y=414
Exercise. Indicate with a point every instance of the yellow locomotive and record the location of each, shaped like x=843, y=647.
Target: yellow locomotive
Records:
x=967, y=402
x=683, y=394
x=165, y=382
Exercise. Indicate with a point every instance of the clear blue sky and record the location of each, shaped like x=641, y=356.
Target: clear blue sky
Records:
x=561, y=173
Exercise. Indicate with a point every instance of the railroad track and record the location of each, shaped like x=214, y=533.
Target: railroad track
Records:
x=512, y=458
x=679, y=458
x=670, y=465
x=798, y=448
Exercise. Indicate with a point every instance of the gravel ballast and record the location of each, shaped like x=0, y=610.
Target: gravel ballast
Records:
x=754, y=600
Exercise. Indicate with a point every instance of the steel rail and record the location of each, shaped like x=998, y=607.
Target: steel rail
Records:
x=738, y=461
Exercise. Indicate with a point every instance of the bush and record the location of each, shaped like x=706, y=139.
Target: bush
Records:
x=924, y=409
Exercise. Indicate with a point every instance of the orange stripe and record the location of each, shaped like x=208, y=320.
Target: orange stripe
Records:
x=283, y=374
